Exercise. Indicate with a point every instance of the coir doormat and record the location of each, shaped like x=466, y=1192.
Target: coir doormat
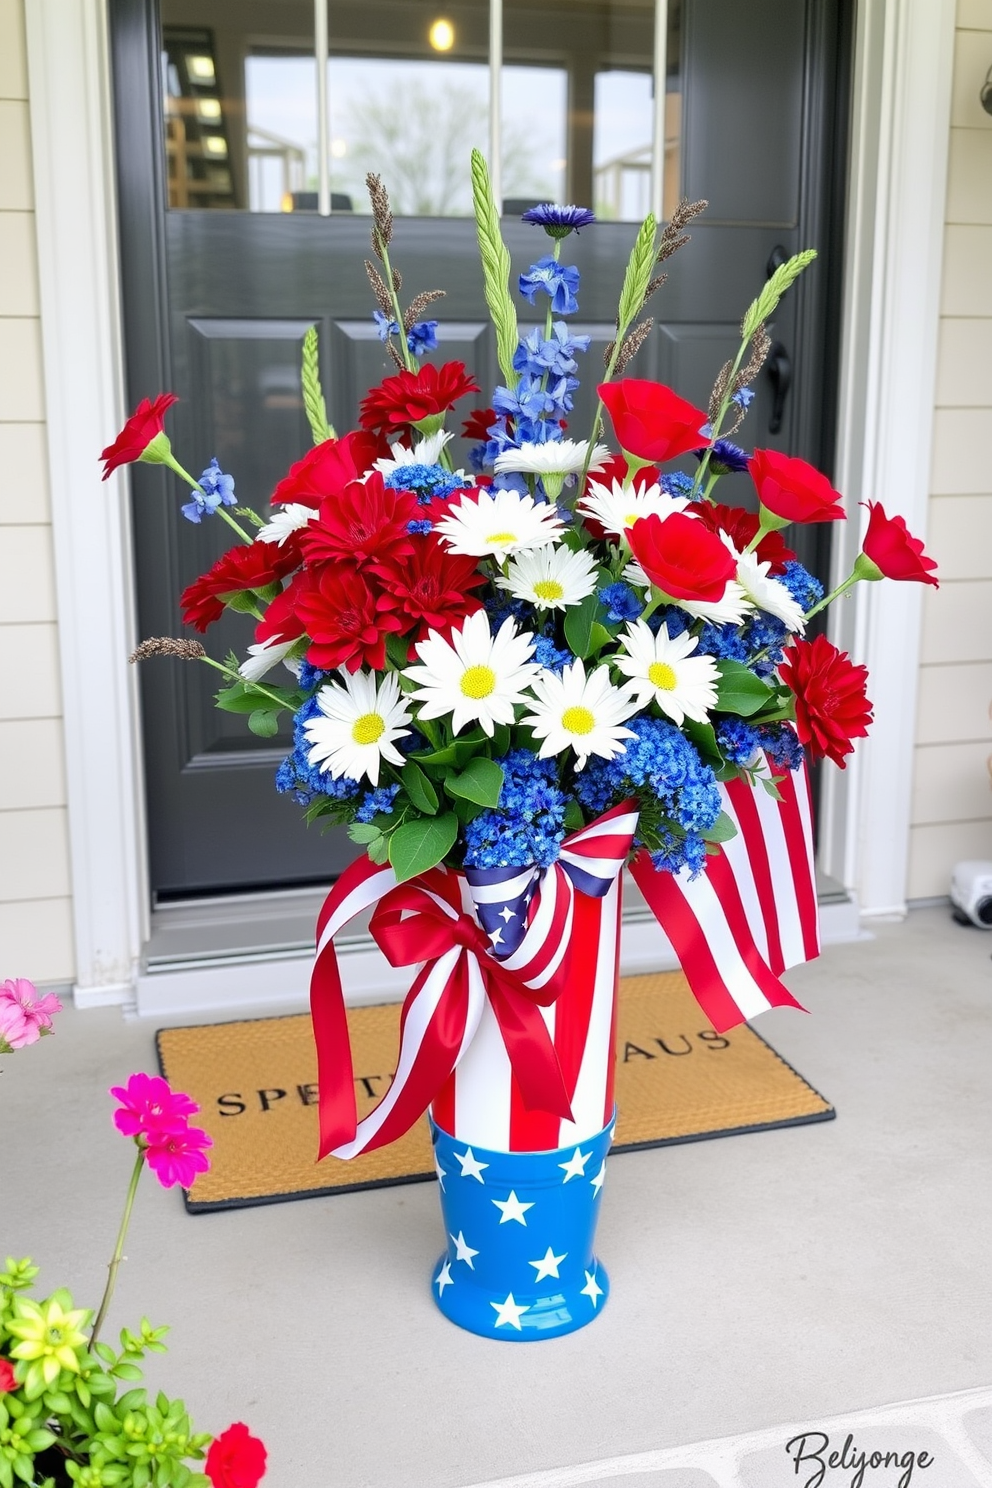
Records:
x=677, y=1081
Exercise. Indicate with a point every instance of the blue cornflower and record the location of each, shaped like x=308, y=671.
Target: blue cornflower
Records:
x=621, y=601
x=726, y=457
x=781, y=744
x=426, y=481
x=675, y=619
x=804, y=587
x=680, y=852
x=725, y=641
x=553, y=357
x=422, y=337
x=216, y=489
x=375, y=801
x=737, y=740
x=557, y=221
x=528, y=825
x=547, y=654
x=419, y=529
x=744, y=398
x=560, y=281
x=310, y=676
x=676, y=483
x=384, y=325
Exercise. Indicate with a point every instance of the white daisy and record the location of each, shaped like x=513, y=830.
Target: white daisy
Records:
x=617, y=507
x=426, y=451
x=573, y=711
x=497, y=523
x=731, y=608
x=263, y=656
x=554, y=457
x=358, y=725
x=764, y=593
x=287, y=520
x=662, y=668
x=551, y=578
x=476, y=676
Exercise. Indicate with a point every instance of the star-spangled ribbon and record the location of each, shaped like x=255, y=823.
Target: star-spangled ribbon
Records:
x=430, y=919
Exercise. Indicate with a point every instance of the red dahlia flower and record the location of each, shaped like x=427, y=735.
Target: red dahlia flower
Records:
x=328, y=467
x=431, y=588
x=740, y=526
x=893, y=551
x=792, y=490
x=832, y=707
x=682, y=556
x=253, y=566
x=367, y=521
x=650, y=420
x=346, y=619
x=409, y=397
x=478, y=424
x=280, y=621
x=235, y=1459
x=144, y=426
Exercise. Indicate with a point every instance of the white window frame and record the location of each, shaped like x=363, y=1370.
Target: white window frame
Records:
x=901, y=117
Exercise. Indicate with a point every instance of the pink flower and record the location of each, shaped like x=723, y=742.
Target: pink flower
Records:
x=149, y=1105
x=8, y=1380
x=236, y=1458
x=24, y=1016
x=177, y=1156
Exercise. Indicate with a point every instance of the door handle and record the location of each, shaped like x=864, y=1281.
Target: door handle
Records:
x=780, y=376
x=776, y=259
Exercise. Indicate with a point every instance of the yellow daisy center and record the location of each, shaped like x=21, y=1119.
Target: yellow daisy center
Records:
x=478, y=681
x=549, y=589
x=630, y=519
x=368, y=728
x=578, y=720
x=500, y=539
x=661, y=675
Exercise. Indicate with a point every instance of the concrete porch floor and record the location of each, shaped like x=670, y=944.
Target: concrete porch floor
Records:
x=782, y=1276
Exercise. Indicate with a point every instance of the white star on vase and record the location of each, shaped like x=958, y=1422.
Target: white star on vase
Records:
x=506, y=914
x=442, y=1173
x=496, y=936
x=444, y=1278
x=471, y=1166
x=512, y=1209
x=508, y=1312
x=600, y=1177
x=463, y=1251
x=548, y=1265
x=592, y=1288
x=576, y=1165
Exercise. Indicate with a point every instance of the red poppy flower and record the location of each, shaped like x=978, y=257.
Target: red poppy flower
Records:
x=365, y=522
x=7, y=1379
x=409, y=397
x=326, y=469
x=253, y=566
x=650, y=420
x=740, y=526
x=893, y=550
x=431, y=588
x=832, y=707
x=793, y=490
x=346, y=619
x=235, y=1459
x=682, y=556
x=478, y=424
x=144, y=425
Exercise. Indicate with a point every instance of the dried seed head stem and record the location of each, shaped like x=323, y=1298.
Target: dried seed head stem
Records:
x=382, y=217
x=379, y=289
x=419, y=305
x=674, y=237
x=167, y=646
x=760, y=347
x=632, y=344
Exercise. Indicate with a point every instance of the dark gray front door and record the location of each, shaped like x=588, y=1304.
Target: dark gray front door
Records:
x=220, y=286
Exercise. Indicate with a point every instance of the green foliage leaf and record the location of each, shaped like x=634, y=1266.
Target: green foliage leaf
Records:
x=740, y=691
x=422, y=794
x=396, y=649
x=767, y=302
x=264, y=722
x=599, y=637
x=495, y=267
x=378, y=851
x=313, y=396
x=242, y=697
x=419, y=845
x=579, y=621
x=363, y=832
x=770, y=784
x=703, y=735
x=481, y=781
x=574, y=818
x=722, y=830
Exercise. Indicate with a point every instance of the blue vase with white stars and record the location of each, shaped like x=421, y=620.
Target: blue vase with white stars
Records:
x=520, y=1227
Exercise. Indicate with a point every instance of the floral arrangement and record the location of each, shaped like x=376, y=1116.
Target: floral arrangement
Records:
x=70, y=1410
x=484, y=660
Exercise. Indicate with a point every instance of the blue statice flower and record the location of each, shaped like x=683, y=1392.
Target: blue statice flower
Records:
x=677, y=621
x=375, y=801
x=557, y=221
x=737, y=740
x=560, y=281
x=680, y=852
x=547, y=654
x=744, y=398
x=420, y=529
x=528, y=825
x=804, y=587
x=676, y=483
x=426, y=481
x=660, y=762
x=310, y=676
x=306, y=781
x=781, y=743
x=216, y=489
x=726, y=457
x=621, y=601
x=501, y=606
x=724, y=641
x=422, y=337
x=384, y=326
x=554, y=357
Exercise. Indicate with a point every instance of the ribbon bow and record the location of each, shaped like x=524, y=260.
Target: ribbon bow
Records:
x=430, y=919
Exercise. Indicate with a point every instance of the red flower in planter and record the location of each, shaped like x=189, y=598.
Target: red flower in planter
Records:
x=7, y=1380
x=253, y=566
x=367, y=521
x=432, y=588
x=792, y=490
x=682, y=556
x=328, y=467
x=650, y=420
x=346, y=619
x=832, y=706
x=235, y=1459
x=141, y=429
x=478, y=424
x=893, y=551
x=409, y=397
x=740, y=526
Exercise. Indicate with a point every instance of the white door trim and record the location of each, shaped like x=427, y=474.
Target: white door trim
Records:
x=900, y=133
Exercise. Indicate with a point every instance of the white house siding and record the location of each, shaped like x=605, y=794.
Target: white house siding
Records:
x=35, y=919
